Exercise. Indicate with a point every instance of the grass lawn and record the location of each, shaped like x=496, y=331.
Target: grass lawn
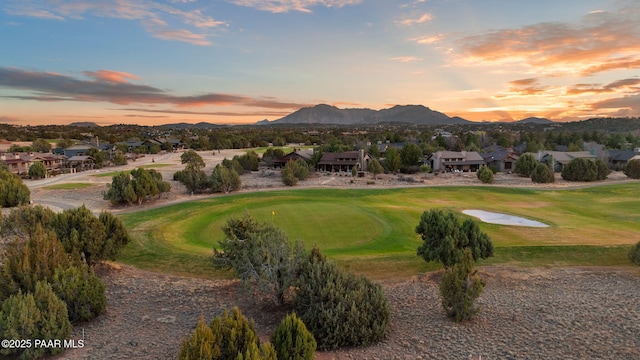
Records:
x=70, y=186
x=372, y=231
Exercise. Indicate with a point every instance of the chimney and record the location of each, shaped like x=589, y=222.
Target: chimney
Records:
x=361, y=159
x=97, y=141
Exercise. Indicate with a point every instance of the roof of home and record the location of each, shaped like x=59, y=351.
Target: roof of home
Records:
x=349, y=157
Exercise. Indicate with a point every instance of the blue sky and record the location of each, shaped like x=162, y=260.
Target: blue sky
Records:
x=240, y=61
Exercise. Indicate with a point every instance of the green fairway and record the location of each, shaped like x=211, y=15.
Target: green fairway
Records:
x=372, y=231
x=69, y=186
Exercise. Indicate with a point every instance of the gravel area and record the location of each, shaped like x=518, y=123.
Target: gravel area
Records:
x=567, y=313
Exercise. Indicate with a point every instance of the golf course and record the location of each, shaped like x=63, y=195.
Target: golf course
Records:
x=371, y=231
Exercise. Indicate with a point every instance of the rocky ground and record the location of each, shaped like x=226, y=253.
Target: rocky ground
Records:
x=568, y=313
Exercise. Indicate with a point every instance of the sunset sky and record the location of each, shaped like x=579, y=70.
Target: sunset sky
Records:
x=241, y=61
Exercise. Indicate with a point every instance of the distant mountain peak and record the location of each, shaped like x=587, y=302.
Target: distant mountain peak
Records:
x=329, y=114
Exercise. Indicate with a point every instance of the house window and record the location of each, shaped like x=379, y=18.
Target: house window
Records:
x=507, y=165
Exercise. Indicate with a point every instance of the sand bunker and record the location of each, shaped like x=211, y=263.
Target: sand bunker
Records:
x=503, y=219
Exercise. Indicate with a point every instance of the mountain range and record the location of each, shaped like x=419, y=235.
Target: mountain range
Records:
x=408, y=114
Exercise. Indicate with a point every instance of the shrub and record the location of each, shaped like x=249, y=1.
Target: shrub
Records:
x=29, y=316
x=542, y=174
x=339, y=308
x=37, y=170
x=228, y=337
x=580, y=169
x=525, y=165
x=375, y=168
x=194, y=179
x=233, y=334
x=485, y=175
x=249, y=161
x=292, y=340
x=13, y=191
x=459, y=288
x=225, y=180
x=260, y=254
x=24, y=220
x=81, y=290
x=28, y=261
x=135, y=187
x=288, y=177
x=632, y=169
x=634, y=253
x=200, y=345
x=603, y=170
x=445, y=240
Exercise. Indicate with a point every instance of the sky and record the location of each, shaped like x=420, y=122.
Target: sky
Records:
x=240, y=61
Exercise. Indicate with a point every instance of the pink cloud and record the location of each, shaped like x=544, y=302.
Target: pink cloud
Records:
x=110, y=76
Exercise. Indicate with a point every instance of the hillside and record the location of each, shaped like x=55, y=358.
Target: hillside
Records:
x=327, y=114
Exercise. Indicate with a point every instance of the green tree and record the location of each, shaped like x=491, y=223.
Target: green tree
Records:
x=192, y=159
x=37, y=170
x=225, y=180
x=375, y=168
x=288, y=176
x=459, y=288
x=411, y=155
x=99, y=157
x=292, y=340
x=194, y=179
x=135, y=187
x=24, y=220
x=27, y=261
x=82, y=291
x=542, y=174
x=632, y=169
x=580, y=169
x=118, y=158
x=64, y=143
x=116, y=236
x=260, y=254
x=201, y=345
x=234, y=334
x=374, y=152
x=41, y=145
x=525, y=165
x=35, y=315
x=603, y=170
x=13, y=191
x=249, y=161
x=337, y=307
x=445, y=239
x=393, y=161
x=485, y=175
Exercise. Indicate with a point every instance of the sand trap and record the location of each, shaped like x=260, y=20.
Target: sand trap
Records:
x=503, y=219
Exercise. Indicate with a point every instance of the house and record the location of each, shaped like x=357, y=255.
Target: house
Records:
x=344, y=161
x=562, y=158
x=80, y=163
x=453, y=160
x=617, y=159
x=499, y=158
x=296, y=154
x=19, y=163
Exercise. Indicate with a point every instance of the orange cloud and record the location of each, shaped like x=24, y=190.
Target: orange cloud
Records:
x=602, y=41
x=426, y=17
x=110, y=76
